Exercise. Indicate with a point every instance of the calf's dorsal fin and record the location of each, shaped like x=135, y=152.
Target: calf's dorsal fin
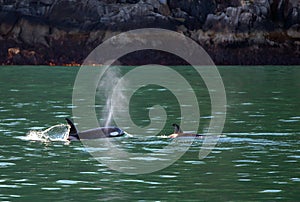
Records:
x=177, y=128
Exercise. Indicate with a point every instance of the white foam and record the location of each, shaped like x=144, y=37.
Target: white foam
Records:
x=54, y=133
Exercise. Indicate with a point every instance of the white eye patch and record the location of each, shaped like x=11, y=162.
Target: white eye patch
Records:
x=114, y=134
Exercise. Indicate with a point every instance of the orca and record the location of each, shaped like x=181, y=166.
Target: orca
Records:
x=102, y=132
x=179, y=133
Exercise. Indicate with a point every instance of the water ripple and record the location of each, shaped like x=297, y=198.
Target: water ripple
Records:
x=6, y=164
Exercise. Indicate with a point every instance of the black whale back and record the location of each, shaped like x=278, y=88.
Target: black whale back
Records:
x=103, y=132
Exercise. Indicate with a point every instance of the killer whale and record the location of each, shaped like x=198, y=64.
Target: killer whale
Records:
x=179, y=133
x=109, y=132
x=102, y=132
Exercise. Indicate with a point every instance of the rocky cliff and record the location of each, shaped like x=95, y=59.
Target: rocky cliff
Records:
x=233, y=32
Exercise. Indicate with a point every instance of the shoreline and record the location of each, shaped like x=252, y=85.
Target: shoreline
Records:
x=79, y=66
x=220, y=55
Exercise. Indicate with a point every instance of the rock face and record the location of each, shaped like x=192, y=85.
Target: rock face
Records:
x=65, y=31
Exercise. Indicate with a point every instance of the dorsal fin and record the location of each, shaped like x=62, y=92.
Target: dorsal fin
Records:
x=177, y=128
x=73, y=130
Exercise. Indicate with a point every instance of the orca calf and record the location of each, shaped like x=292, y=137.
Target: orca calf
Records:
x=102, y=132
x=179, y=133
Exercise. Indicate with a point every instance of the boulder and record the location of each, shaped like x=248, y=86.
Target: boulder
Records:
x=11, y=52
x=293, y=17
x=285, y=12
x=33, y=32
x=8, y=19
x=17, y=56
x=74, y=13
x=294, y=32
x=198, y=9
x=221, y=5
x=244, y=18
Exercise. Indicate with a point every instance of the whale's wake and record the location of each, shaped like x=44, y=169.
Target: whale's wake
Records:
x=54, y=133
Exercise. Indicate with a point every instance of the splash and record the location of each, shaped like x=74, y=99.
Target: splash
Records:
x=54, y=133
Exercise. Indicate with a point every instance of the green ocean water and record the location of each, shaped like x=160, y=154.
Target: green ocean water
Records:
x=258, y=160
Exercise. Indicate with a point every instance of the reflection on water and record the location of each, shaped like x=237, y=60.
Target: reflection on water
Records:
x=257, y=160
